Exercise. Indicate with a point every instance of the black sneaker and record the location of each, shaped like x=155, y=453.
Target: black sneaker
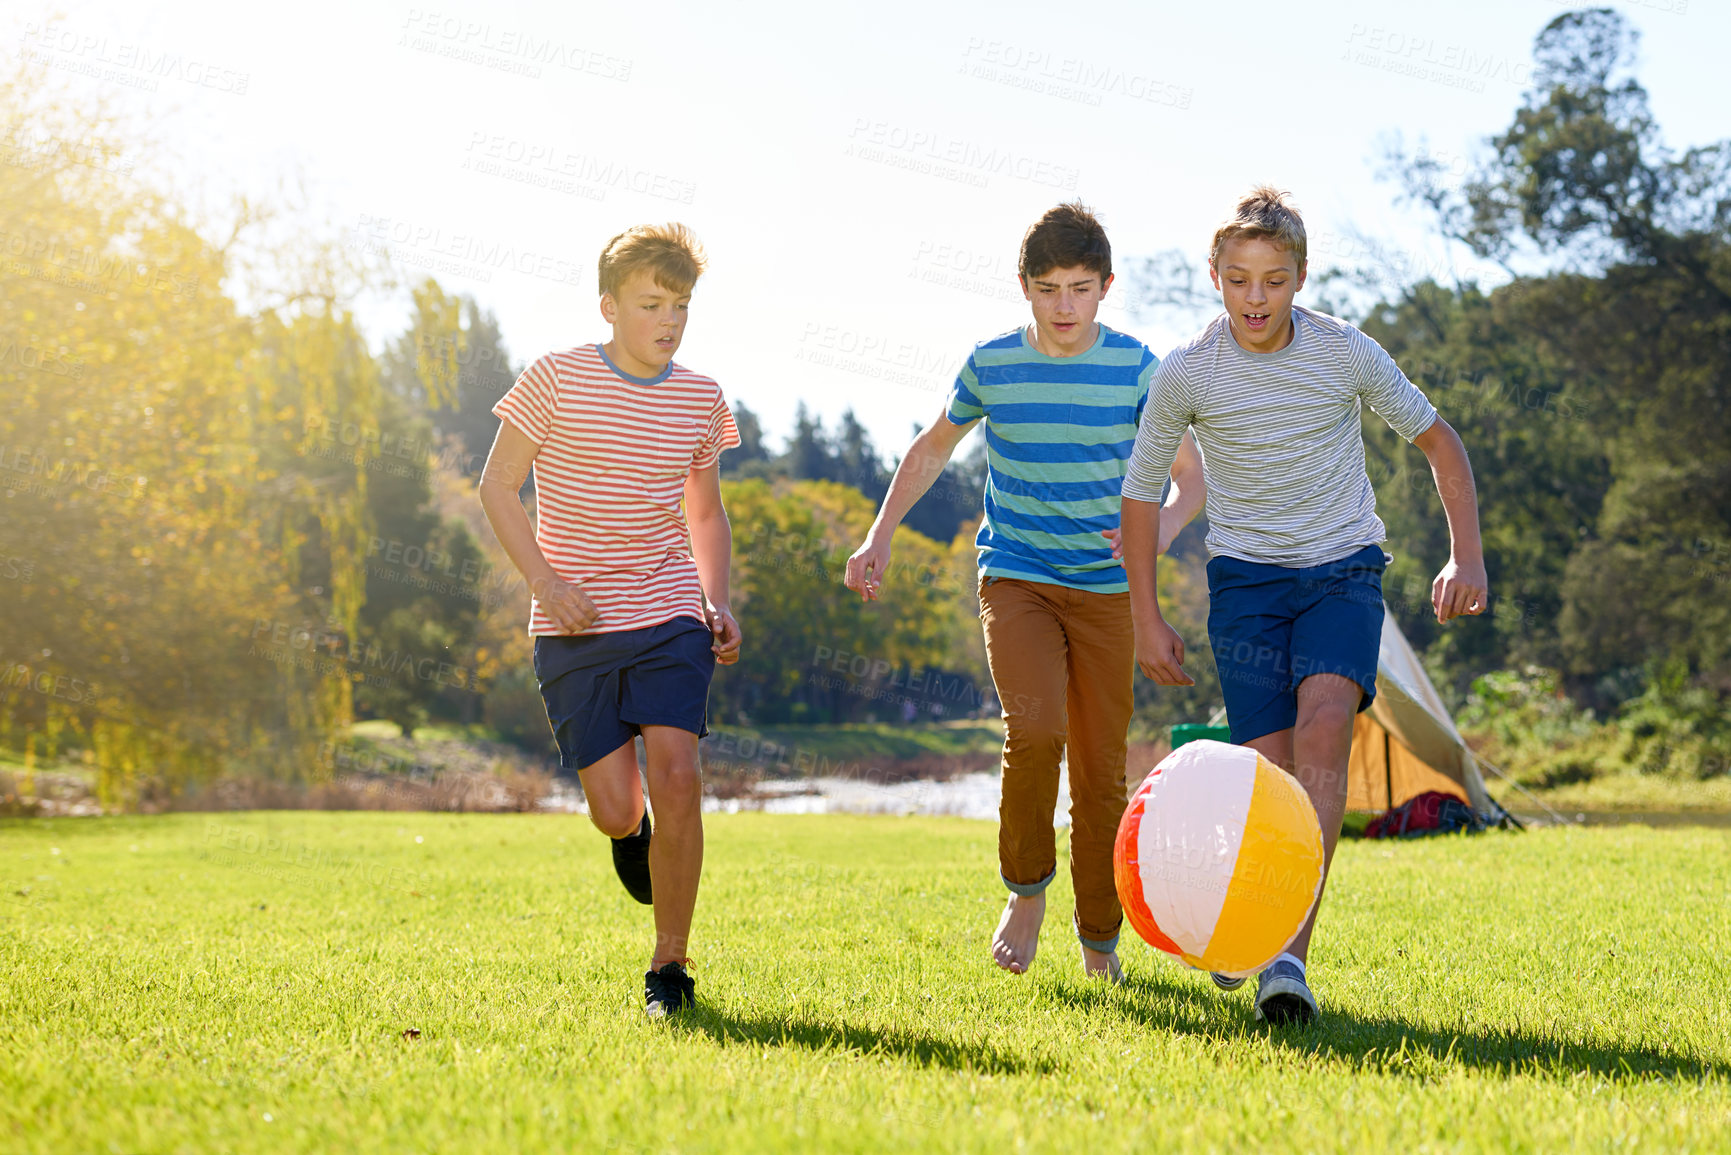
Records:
x=631, y=862
x=667, y=991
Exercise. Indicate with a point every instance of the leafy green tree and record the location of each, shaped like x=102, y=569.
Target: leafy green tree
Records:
x=421, y=606
x=814, y=651
x=1623, y=332
x=1540, y=466
x=193, y=490
x=1590, y=391
x=485, y=373
x=856, y=459
x=809, y=454
x=750, y=455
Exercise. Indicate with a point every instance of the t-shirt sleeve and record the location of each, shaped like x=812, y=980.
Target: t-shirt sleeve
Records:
x=721, y=434
x=1168, y=414
x=965, y=404
x=1144, y=380
x=532, y=402
x=1386, y=389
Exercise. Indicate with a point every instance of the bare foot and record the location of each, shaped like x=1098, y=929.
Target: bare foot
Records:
x=1096, y=964
x=1019, y=932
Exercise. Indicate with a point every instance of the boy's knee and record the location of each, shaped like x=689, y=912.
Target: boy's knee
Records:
x=676, y=784
x=615, y=820
x=1326, y=715
x=1096, y=824
x=1035, y=739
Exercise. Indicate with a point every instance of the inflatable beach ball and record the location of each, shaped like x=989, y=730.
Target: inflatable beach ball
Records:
x=1219, y=858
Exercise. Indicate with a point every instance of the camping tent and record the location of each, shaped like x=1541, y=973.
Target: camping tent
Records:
x=1406, y=743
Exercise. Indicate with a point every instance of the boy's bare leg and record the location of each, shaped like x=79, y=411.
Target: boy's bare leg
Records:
x=1018, y=934
x=613, y=792
x=1102, y=964
x=1026, y=650
x=676, y=851
x=1316, y=752
x=1099, y=702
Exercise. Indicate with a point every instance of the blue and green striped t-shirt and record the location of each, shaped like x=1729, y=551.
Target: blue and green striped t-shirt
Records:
x=1059, y=431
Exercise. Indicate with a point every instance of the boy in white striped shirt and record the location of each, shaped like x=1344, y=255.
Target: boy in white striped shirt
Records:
x=1272, y=392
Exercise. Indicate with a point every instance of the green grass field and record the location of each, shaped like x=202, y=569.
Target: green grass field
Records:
x=244, y=982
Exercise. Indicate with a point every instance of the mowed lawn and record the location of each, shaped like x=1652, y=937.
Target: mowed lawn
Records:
x=244, y=983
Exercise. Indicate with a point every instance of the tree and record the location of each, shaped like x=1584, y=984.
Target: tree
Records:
x=1615, y=507
x=814, y=651
x=183, y=540
x=421, y=611
x=485, y=373
x=751, y=453
x=809, y=455
x=192, y=489
x=1541, y=473
x=856, y=459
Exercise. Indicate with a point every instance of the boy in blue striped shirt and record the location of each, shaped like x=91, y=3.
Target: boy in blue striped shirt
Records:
x=1060, y=400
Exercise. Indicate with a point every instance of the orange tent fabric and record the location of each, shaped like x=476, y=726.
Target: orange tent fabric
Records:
x=1406, y=743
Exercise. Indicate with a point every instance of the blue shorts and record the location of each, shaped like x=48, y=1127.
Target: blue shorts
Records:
x=1272, y=626
x=602, y=689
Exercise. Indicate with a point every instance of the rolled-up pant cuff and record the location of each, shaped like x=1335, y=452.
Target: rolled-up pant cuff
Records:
x=1030, y=889
x=1103, y=945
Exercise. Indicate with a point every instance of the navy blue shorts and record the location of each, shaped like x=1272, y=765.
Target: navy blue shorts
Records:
x=602, y=689
x=1272, y=626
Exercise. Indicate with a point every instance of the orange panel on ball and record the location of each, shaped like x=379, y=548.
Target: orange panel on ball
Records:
x=1126, y=873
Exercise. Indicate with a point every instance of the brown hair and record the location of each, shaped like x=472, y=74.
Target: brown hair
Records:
x=1066, y=236
x=1263, y=212
x=670, y=251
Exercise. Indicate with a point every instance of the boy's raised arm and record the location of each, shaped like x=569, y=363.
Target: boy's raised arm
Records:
x=1184, y=500
x=1462, y=587
x=1159, y=649
x=1188, y=494
x=1160, y=435
x=922, y=465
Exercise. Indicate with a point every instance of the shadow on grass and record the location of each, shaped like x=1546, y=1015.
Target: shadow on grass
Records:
x=816, y=1035
x=1382, y=1044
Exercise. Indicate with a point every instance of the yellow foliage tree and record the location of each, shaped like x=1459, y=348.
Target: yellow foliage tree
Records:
x=184, y=535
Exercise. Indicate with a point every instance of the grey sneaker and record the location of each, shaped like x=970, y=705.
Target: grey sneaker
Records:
x=1282, y=996
x=1225, y=983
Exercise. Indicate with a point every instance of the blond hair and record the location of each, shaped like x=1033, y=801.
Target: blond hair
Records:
x=670, y=251
x=1262, y=212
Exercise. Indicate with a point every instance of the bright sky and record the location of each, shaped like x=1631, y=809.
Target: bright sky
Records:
x=860, y=175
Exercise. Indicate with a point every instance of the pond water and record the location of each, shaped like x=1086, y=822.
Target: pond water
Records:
x=976, y=796
x=964, y=796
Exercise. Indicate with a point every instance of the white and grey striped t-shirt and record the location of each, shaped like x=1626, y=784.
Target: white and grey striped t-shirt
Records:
x=1282, y=451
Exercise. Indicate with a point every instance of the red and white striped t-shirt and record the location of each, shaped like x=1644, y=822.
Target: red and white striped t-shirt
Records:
x=615, y=452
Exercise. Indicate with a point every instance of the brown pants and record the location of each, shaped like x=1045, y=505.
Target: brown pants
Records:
x=1062, y=661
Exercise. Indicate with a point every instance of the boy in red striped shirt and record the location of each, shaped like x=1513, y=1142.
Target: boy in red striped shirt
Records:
x=630, y=610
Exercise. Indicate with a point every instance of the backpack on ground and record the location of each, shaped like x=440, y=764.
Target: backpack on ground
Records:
x=1432, y=812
